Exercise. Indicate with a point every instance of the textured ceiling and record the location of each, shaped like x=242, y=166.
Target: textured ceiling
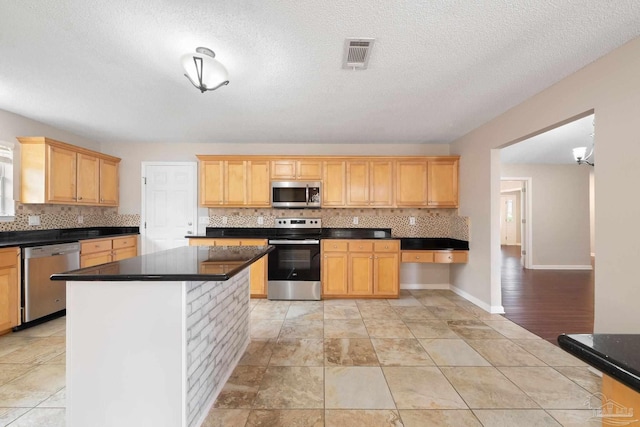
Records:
x=554, y=146
x=110, y=70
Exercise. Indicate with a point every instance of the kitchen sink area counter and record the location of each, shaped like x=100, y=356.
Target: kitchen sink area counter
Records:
x=151, y=340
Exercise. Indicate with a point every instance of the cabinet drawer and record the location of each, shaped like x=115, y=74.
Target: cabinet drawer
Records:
x=386, y=246
x=124, y=253
x=417, y=256
x=8, y=257
x=92, y=246
x=228, y=242
x=124, y=242
x=95, y=259
x=202, y=242
x=334, y=245
x=360, y=246
x=253, y=242
x=451, y=257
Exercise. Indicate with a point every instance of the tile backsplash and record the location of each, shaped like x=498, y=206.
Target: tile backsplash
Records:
x=428, y=222
x=62, y=216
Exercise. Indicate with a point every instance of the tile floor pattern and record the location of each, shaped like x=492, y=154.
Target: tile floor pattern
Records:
x=429, y=358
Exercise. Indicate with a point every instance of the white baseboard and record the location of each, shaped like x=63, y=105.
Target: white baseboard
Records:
x=419, y=286
x=561, y=267
x=493, y=309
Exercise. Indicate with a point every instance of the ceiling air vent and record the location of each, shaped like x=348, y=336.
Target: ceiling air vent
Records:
x=357, y=53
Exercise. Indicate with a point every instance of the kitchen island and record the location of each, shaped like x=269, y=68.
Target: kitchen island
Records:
x=151, y=340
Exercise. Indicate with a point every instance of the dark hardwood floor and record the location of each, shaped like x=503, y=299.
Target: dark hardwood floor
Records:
x=546, y=302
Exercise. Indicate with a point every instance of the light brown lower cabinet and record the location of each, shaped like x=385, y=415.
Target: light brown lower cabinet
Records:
x=258, y=270
x=439, y=257
x=101, y=251
x=360, y=268
x=9, y=289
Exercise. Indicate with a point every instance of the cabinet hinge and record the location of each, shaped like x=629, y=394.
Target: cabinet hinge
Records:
x=145, y=225
x=144, y=178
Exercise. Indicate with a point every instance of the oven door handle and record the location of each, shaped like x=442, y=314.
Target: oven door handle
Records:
x=294, y=242
x=307, y=195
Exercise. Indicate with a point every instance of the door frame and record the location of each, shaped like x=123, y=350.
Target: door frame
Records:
x=143, y=198
x=526, y=209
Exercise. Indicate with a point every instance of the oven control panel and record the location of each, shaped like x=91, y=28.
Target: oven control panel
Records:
x=299, y=223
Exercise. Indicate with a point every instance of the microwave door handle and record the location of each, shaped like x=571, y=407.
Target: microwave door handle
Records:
x=307, y=194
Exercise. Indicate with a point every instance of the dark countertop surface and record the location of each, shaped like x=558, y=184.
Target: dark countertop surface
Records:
x=406, y=243
x=60, y=235
x=180, y=264
x=617, y=355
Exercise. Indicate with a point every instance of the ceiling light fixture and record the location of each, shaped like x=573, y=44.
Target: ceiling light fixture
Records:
x=204, y=71
x=579, y=154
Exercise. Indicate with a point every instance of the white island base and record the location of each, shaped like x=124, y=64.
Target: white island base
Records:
x=150, y=353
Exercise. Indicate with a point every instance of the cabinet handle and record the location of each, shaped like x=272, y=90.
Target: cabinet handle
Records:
x=386, y=246
x=360, y=247
x=335, y=246
x=79, y=198
x=97, y=246
x=417, y=256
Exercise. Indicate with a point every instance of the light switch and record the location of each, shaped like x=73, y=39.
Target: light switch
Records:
x=80, y=219
x=34, y=219
x=355, y=220
x=260, y=220
x=412, y=220
x=224, y=219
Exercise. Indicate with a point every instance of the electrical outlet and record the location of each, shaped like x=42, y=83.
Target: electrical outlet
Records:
x=355, y=220
x=34, y=219
x=203, y=220
x=224, y=219
x=412, y=220
x=260, y=220
x=80, y=219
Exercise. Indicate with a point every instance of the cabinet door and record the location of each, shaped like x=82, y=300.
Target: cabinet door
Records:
x=361, y=273
x=202, y=242
x=109, y=183
x=309, y=169
x=258, y=279
x=411, y=183
x=386, y=272
x=443, y=183
x=87, y=179
x=211, y=183
x=61, y=175
x=357, y=183
x=334, y=274
x=9, y=289
x=381, y=183
x=334, y=184
x=258, y=186
x=235, y=183
x=283, y=169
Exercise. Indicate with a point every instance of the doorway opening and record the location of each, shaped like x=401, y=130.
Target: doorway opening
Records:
x=555, y=230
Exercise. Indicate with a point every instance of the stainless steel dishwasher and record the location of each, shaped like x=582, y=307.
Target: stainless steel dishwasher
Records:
x=40, y=295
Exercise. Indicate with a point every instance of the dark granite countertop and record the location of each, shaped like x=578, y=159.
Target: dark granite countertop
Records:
x=617, y=355
x=432, y=243
x=406, y=243
x=187, y=263
x=61, y=235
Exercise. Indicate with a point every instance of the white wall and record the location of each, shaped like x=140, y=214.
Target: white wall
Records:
x=609, y=86
x=560, y=213
x=134, y=154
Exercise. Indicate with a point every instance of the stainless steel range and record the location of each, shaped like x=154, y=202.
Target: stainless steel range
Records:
x=294, y=266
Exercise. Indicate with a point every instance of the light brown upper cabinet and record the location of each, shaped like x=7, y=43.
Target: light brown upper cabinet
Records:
x=442, y=183
x=296, y=169
x=411, y=183
x=56, y=172
x=369, y=183
x=428, y=182
x=233, y=182
x=334, y=183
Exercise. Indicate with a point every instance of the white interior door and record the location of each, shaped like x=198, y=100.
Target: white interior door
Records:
x=508, y=220
x=169, y=205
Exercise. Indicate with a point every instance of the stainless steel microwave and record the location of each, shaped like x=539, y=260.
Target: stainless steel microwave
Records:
x=296, y=194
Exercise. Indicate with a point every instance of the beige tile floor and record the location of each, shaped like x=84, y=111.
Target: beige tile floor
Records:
x=429, y=358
